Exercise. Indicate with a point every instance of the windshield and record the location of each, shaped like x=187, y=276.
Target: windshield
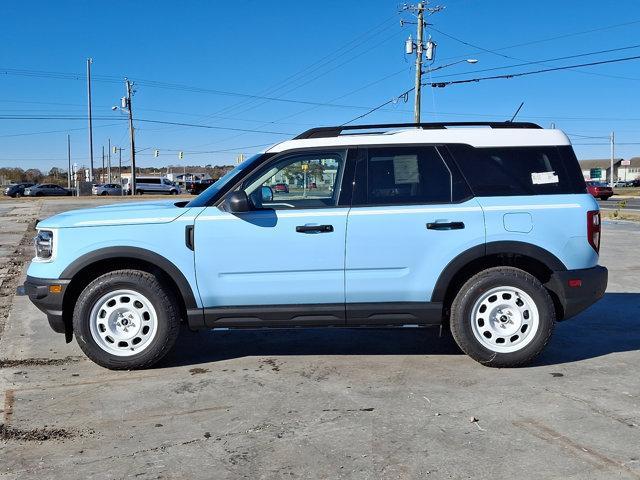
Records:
x=210, y=194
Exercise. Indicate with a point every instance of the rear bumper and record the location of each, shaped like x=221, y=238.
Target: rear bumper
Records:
x=50, y=303
x=593, y=283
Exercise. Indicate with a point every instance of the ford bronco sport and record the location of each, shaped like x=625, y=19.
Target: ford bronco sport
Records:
x=487, y=229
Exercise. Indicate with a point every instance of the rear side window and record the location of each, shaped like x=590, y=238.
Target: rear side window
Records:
x=405, y=175
x=508, y=171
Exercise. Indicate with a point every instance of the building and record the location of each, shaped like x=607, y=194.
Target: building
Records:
x=588, y=166
x=631, y=171
x=181, y=178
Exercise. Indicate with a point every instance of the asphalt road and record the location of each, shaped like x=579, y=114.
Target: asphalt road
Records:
x=331, y=403
x=631, y=203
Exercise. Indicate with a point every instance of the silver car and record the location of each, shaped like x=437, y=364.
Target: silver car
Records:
x=46, y=190
x=107, y=189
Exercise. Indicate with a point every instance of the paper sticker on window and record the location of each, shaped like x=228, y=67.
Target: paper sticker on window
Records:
x=540, y=178
x=405, y=169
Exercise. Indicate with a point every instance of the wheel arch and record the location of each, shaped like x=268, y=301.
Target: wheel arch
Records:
x=91, y=265
x=526, y=256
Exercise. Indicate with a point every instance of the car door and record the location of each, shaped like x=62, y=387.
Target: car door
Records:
x=412, y=214
x=283, y=261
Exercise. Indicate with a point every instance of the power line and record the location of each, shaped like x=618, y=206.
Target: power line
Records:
x=548, y=39
x=533, y=62
x=522, y=74
x=495, y=52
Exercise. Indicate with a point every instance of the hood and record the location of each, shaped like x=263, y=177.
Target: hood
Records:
x=138, y=213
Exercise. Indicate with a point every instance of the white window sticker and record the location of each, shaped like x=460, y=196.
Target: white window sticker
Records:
x=541, y=178
x=405, y=169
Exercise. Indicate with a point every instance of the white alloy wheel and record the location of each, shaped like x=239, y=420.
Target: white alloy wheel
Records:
x=504, y=319
x=123, y=322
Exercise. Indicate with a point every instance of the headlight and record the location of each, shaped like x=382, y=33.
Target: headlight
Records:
x=44, y=244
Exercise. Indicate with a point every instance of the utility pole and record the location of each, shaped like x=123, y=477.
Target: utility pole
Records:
x=109, y=162
x=420, y=8
x=613, y=151
x=418, y=85
x=89, y=62
x=120, y=170
x=102, y=171
x=129, y=107
x=69, y=158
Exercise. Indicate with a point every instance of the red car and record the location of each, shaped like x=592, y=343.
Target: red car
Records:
x=600, y=190
x=281, y=187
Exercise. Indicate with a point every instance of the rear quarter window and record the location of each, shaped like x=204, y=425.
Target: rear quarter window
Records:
x=508, y=171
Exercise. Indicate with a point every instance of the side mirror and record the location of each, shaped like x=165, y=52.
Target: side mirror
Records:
x=267, y=194
x=238, y=202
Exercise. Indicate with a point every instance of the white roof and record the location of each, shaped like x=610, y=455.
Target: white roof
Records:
x=474, y=136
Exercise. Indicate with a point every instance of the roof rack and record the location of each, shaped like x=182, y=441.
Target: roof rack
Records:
x=325, y=132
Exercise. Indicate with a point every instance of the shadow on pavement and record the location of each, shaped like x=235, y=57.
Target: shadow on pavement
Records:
x=612, y=325
x=609, y=326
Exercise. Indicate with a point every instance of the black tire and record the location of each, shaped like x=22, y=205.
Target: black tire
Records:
x=604, y=198
x=17, y=195
x=461, y=316
x=38, y=194
x=104, y=194
x=159, y=295
x=173, y=192
x=139, y=192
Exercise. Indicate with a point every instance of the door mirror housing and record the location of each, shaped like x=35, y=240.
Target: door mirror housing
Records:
x=238, y=202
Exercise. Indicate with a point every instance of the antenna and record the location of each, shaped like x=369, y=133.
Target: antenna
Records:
x=515, y=114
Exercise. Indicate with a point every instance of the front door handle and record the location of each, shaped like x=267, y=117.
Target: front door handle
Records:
x=314, y=228
x=445, y=226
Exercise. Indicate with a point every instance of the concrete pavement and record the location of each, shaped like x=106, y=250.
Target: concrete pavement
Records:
x=334, y=403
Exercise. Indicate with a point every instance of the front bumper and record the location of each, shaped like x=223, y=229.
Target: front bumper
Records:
x=574, y=299
x=46, y=299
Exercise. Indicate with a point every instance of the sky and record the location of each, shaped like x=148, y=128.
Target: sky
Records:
x=252, y=73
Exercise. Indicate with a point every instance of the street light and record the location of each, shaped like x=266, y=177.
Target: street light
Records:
x=468, y=60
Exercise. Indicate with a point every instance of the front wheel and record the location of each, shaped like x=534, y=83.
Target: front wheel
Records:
x=502, y=317
x=126, y=319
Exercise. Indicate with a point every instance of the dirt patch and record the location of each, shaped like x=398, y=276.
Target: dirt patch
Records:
x=198, y=371
x=34, y=434
x=270, y=362
x=30, y=362
x=9, y=281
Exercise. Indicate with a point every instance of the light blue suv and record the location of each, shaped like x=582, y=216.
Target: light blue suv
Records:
x=484, y=228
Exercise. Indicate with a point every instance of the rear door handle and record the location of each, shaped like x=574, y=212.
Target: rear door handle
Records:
x=314, y=228
x=445, y=226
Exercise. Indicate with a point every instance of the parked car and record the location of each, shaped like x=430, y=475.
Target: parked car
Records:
x=16, y=190
x=46, y=190
x=487, y=231
x=636, y=183
x=107, y=189
x=281, y=188
x=600, y=190
x=196, y=188
x=623, y=183
x=154, y=185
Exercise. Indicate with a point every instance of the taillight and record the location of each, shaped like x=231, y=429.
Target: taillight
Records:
x=593, y=229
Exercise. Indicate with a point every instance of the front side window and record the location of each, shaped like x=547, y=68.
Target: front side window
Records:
x=405, y=175
x=305, y=180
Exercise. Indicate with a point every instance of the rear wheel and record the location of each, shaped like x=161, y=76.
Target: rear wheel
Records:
x=126, y=319
x=502, y=317
x=17, y=195
x=104, y=193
